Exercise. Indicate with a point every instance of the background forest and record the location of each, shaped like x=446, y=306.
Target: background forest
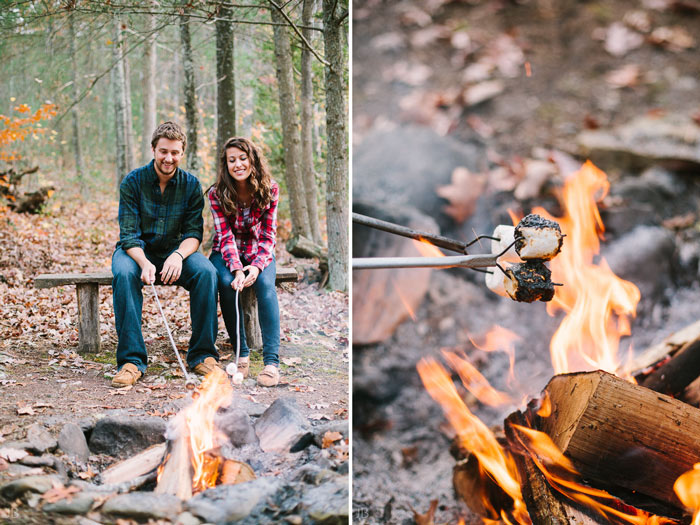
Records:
x=86, y=82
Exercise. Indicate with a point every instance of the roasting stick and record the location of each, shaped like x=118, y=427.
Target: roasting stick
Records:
x=190, y=382
x=463, y=261
x=232, y=368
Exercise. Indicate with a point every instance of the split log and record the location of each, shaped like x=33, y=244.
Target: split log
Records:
x=233, y=472
x=668, y=346
x=677, y=373
x=135, y=466
x=176, y=476
x=619, y=434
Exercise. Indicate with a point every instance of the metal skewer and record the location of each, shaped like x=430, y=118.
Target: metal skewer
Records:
x=190, y=382
x=463, y=261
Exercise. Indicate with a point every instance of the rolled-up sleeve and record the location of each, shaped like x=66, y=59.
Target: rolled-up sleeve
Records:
x=268, y=232
x=193, y=224
x=224, y=234
x=129, y=216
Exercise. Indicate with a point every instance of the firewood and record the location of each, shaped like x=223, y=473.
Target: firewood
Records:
x=234, y=472
x=138, y=465
x=300, y=246
x=619, y=434
x=668, y=346
x=176, y=475
x=677, y=373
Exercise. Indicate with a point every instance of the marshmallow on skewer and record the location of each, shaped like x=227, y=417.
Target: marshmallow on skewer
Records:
x=495, y=281
x=231, y=369
x=537, y=238
x=237, y=378
x=506, y=234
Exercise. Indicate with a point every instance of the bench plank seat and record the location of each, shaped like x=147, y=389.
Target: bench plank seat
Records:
x=87, y=290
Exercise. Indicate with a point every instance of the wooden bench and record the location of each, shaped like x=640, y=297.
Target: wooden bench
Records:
x=87, y=287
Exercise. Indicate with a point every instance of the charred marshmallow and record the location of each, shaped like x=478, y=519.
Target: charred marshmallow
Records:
x=529, y=281
x=537, y=238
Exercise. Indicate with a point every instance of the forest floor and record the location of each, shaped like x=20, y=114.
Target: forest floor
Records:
x=43, y=378
x=556, y=69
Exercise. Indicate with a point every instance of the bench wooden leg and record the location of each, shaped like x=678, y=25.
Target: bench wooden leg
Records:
x=249, y=304
x=88, y=318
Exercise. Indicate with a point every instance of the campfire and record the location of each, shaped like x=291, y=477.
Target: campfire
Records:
x=596, y=447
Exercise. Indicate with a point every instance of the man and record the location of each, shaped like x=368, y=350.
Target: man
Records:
x=160, y=229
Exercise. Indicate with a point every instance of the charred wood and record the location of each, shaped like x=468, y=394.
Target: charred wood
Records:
x=674, y=375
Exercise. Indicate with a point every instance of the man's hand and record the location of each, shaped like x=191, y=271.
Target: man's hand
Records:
x=253, y=272
x=172, y=269
x=238, y=280
x=148, y=272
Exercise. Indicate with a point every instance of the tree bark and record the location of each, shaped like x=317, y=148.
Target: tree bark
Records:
x=337, y=170
x=290, y=127
x=190, y=98
x=307, y=96
x=149, y=96
x=74, y=111
x=129, y=122
x=225, y=85
x=119, y=104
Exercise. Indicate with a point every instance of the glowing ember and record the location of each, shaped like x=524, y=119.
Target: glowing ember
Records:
x=588, y=338
x=687, y=488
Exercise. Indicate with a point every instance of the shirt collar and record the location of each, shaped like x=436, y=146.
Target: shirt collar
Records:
x=153, y=176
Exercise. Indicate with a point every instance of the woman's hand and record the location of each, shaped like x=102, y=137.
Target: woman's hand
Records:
x=238, y=280
x=253, y=272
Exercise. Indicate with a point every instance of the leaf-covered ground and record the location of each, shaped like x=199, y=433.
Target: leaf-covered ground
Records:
x=42, y=378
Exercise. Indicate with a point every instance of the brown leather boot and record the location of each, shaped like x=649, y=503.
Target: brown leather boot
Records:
x=244, y=366
x=127, y=376
x=206, y=366
x=270, y=376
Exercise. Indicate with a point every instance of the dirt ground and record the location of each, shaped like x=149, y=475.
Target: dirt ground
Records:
x=409, y=64
x=43, y=379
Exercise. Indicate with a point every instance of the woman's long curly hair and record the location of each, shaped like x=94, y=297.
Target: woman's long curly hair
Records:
x=259, y=181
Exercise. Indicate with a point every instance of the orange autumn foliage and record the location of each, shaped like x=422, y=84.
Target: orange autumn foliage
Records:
x=17, y=128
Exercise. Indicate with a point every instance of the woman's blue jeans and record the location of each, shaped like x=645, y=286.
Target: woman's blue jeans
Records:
x=198, y=277
x=268, y=308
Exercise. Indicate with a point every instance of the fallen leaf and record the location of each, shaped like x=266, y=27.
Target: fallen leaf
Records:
x=680, y=222
x=13, y=454
x=319, y=416
x=318, y=406
x=8, y=429
x=25, y=411
x=292, y=361
x=626, y=76
x=428, y=517
x=619, y=40
x=462, y=193
x=672, y=38
x=331, y=437
x=89, y=474
x=121, y=391
x=60, y=492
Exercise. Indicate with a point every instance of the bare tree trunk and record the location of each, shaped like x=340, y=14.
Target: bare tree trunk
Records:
x=74, y=110
x=225, y=86
x=307, y=153
x=245, y=96
x=190, y=99
x=119, y=104
x=129, y=135
x=290, y=128
x=149, y=96
x=337, y=182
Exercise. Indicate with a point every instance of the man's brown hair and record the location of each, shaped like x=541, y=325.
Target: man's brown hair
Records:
x=169, y=130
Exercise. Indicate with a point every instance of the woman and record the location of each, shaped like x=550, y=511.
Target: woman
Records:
x=244, y=205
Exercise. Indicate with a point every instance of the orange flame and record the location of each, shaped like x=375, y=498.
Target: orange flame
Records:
x=214, y=393
x=475, y=382
x=500, y=339
x=687, y=488
x=588, y=338
x=404, y=301
x=427, y=249
x=473, y=435
x=548, y=458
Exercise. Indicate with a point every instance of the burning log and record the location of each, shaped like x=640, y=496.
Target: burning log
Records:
x=623, y=435
x=677, y=373
x=175, y=475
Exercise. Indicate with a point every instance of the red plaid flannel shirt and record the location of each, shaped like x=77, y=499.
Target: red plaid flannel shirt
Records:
x=252, y=238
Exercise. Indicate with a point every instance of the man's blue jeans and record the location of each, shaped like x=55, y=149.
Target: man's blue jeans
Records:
x=198, y=277
x=268, y=308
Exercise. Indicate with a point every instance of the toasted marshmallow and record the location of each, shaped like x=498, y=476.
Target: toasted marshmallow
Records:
x=537, y=238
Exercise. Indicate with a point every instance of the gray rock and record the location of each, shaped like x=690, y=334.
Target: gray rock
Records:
x=328, y=503
x=143, y=505
x=30, y=484
x=283, y=428
x=644, y=256
x=342, y=426
x=313, y=474
x=80, y=503
x=186, y=518
x=403, y=167
x=252, y=408
x=72, y=442
x=124, y=436
x=45, y=460
x=40, y=439
x=672, y=140
x=229, y=503
x=237, y=426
